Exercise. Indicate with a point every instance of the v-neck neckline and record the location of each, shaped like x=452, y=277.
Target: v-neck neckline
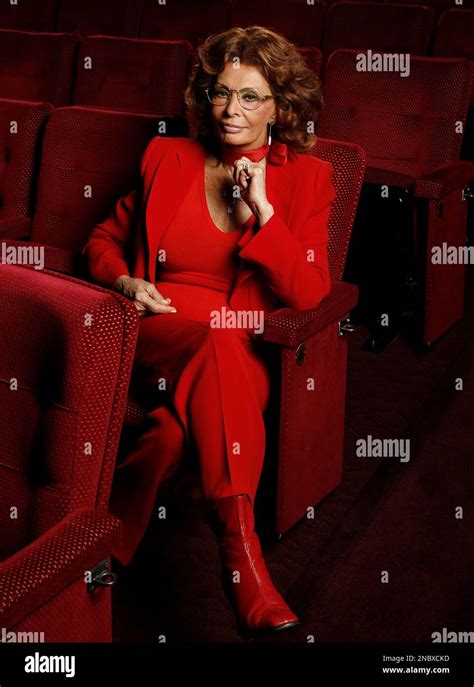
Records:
x=234, y=232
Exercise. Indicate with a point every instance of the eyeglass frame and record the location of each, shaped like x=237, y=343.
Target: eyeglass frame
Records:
x=233, y=90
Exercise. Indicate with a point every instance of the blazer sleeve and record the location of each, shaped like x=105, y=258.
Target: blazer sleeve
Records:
x=296, y=264
x=106, y=246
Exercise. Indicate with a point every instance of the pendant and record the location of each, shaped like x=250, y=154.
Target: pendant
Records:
x=231, y=204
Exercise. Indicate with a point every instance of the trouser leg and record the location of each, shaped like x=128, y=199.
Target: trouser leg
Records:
x=156, y=455
x=220, y=396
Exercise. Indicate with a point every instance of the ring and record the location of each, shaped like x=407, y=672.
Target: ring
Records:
x=245, y=167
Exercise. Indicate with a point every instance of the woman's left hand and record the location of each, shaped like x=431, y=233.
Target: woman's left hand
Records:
x=253, y=191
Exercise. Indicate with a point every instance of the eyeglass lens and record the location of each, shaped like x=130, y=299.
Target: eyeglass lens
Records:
x=249, y=98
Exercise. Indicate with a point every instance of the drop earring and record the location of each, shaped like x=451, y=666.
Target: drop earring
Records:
x=270, y=135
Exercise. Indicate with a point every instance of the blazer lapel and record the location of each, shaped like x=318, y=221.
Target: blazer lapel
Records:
x=174, y=175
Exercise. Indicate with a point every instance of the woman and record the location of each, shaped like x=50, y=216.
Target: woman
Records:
x=236, y=226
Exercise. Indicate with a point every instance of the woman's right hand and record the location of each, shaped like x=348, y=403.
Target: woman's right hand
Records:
x=144, y=295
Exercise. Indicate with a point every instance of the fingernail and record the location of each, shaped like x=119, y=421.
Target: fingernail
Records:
x=173, y=310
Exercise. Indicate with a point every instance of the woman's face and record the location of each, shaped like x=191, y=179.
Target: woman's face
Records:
x=233, y=123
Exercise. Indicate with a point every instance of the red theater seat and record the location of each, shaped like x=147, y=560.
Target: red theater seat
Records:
x=313, y=59
x=298, y=20
x=408, y=127
x=189, y=20
x=454, y=36
x=376, y=26
x=65, y=362
x=89, y=157
x=104, y=16
x=37, y=66
x=438, y=6
x=28, y=15
x=21, y=128
x=132, y=74
x=308, y=428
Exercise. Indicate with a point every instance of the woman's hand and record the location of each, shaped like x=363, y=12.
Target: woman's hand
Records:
x=253, y=191
x=144, y=295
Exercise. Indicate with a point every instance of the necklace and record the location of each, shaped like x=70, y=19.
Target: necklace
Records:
x=231, y=195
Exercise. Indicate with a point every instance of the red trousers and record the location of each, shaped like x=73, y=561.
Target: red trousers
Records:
x=218, y=386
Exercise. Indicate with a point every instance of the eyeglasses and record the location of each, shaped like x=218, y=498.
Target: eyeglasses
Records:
x=249, y=98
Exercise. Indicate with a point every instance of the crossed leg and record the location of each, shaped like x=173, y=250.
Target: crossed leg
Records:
x=218, y=387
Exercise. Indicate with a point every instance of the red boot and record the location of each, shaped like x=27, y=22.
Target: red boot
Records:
x=258, y=605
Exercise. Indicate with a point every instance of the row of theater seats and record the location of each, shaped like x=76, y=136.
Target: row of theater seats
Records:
x=411, y=129
x=300, y=20
x=52, y=156
x=150, y=75
x=102, y=71
x=69, y=345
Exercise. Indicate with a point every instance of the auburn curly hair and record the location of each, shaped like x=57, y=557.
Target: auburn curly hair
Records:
x=298, y=100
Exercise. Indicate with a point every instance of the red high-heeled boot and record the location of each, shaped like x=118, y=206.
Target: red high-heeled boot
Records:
x=258, y=605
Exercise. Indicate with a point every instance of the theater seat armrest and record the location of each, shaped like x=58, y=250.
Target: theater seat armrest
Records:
x=291, y=327
x=60, y=556
x=15, y=227
x=452, y=175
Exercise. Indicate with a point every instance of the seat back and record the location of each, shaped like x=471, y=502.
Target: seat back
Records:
x=37, y=66
x=439, y=6
x=329, y=3
x=185, y=20
x=454, y=34
x=106, y=16
x=21, y=128
x=349, y=163
x=405, y=124
x=313, y=59
x=28, y=15
x=66, y=353
x=132, y=74
x=381, y=27
x=299, y=21
x=90, y=158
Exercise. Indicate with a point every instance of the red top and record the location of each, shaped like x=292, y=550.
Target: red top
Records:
x=195, y=253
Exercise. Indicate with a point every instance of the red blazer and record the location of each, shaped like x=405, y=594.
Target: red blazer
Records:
x=274, y=271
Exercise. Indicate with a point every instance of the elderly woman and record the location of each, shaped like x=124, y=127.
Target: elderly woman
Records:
x=235, y=226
